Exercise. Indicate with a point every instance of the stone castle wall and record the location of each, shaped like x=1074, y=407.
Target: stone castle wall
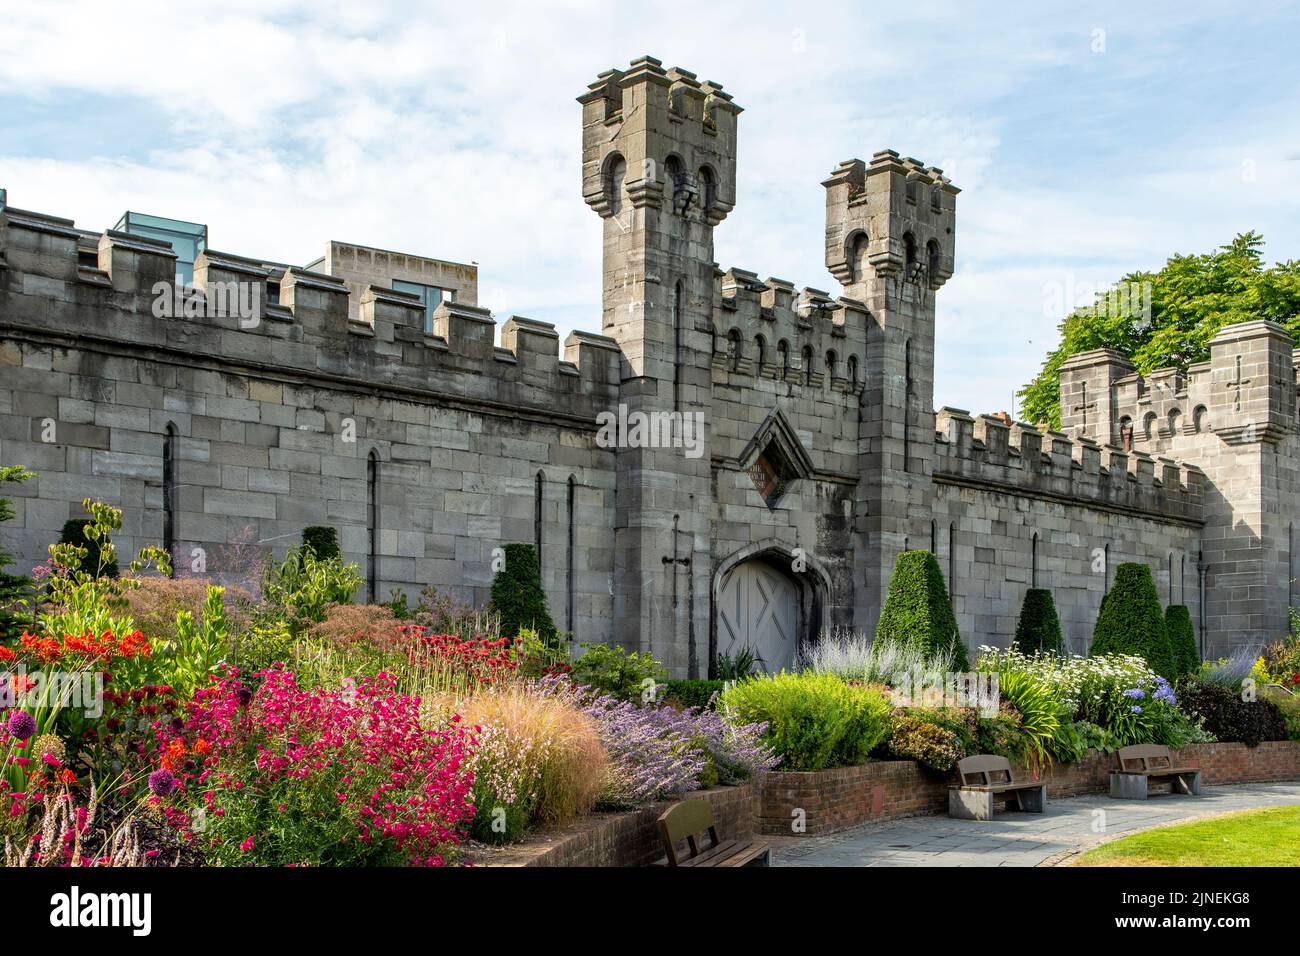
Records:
x=273, y=424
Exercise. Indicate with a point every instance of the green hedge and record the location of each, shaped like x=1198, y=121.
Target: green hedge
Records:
x=1182, y=640
x=917, y=609
x=1131, y=622
x=517, y=595
x=1038, y=629
x=692, y=693
x=813, y=721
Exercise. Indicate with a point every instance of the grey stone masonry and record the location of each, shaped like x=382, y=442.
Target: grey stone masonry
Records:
x=721, y=422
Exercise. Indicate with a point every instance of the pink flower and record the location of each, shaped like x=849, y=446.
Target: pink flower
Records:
x=246, y=845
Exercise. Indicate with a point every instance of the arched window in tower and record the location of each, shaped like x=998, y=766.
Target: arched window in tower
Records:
x=708, y=188
x=858, y=257
x=760, y=353
x=783, y=357
x=934, y=536
x=674, y=183
x=1126, y=433
x=171, y=442
x=615, y=175
x=1170, y=578
x=853, y=372
x=1200, y=419
x=1105, y=569
x=1033, y=561
x=372, y=525
x=538, y=491
x=734, y=347
x=807, y=357
x=909, y=254
x=933, y=257
x=936, y=198
x=832, y=366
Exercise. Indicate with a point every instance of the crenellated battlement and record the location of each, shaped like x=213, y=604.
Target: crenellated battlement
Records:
x=1019, y=459
x=63, y=283
x=768, y=329
x=1245, y=393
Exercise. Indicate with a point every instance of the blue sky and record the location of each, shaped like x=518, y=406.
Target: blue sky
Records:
x=1089, y=140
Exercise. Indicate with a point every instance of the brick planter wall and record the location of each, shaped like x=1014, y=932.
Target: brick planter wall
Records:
x=835, y=799
x=623, y=839
x=829, y=800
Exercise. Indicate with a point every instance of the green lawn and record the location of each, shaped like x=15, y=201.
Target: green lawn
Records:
x=1268, y=837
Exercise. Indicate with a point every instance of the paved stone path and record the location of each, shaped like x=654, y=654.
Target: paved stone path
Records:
x=1018, y=839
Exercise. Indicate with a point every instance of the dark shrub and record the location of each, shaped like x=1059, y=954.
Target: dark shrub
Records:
x=74, y=532
x=1182, y=640
x=1131, y=622
x=917, y=610
x=929, y=743
x=1038, y=628
x=518, y=598
x=692, y=693
x=322, y=541
x=1229, y=717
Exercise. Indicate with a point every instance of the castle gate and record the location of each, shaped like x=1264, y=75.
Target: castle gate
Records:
x=759, y=607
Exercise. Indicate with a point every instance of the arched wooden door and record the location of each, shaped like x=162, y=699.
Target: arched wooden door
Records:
x=758, y=608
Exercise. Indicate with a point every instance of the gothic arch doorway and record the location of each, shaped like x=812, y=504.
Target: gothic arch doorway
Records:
x=761, y=603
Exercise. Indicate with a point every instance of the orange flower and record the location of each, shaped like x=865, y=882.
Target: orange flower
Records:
x=202, y=747
x=67, y=776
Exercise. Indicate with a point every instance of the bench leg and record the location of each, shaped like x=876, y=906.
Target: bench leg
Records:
x=1128, y=786
x=1032, y=801
x=970, y=804
x=1188, y=783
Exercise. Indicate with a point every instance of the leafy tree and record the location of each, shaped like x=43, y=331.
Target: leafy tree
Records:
x=1131, y=621
x=1192, y=297
x=517, y=596
x=1182, y=640
x=1038, y=627
x=917, y=609
x=14, y=588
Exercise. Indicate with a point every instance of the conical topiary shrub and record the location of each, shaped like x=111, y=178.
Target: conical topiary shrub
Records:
x=917, y=609
x=1038, y=630
x=517, y=595
x=1131, y=622
x=322, y=541
x=1182, y=640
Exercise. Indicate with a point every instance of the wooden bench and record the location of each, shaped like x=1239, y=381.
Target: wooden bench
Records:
x=1142, y=763
x=985, y=780
x=690, y=821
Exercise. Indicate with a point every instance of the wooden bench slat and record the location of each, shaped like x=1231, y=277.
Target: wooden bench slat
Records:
x=692, y=821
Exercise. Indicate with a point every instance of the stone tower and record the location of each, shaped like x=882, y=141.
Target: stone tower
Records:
x=659, y=167
x=890, y=235
x=1249, y=534
x=1089, y=403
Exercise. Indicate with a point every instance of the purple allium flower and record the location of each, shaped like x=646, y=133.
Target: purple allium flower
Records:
x=162, y=783
x=245, y=696
x=21, y=724
x=1137, y=709
x=1135, y=692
